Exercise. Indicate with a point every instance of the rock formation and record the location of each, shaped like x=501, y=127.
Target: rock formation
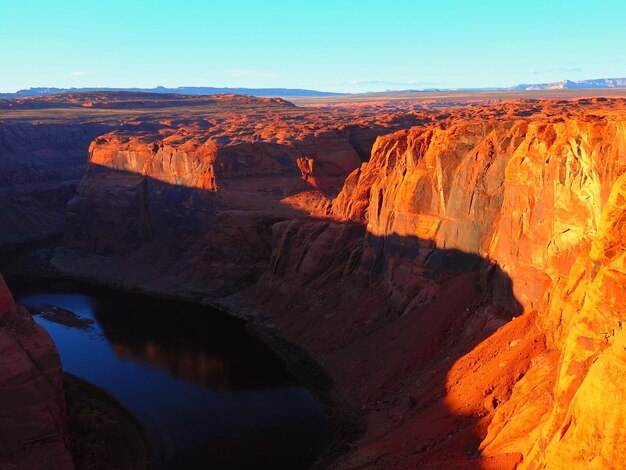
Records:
x=462, y=283
x=32, y=405
x=544, y=200
x=161, y=198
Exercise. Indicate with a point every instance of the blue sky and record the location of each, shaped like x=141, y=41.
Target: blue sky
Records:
x=351, y=46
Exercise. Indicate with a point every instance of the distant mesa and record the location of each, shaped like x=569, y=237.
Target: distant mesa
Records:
x=574, y=85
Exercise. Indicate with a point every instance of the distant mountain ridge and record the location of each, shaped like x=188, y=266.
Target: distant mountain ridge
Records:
x=186, y=90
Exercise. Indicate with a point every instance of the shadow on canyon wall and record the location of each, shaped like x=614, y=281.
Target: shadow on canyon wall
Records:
x=395, y=319
x=40, y=167
x=388, y=316
x=210, y=242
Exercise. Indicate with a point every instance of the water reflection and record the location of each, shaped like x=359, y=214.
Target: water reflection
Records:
x=208, y=394
x=191, y=342
x=188, y=365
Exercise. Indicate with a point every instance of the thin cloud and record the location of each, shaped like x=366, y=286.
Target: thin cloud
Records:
x=77, y=73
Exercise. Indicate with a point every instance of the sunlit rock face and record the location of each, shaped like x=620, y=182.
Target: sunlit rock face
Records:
x=32, y=405
x=585, y=427
x=545, y=201
x=527, y=195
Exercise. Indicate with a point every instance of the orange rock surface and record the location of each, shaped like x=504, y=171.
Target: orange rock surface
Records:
x=211, y=184
x=545, y=201
x=462, y=284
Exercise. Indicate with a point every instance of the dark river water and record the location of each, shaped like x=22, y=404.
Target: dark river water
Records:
x=209, y=395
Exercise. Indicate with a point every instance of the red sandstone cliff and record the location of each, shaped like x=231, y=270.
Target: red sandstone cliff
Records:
x=534, y=198
x=198, y=210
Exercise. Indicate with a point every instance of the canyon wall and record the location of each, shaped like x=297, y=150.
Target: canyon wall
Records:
x=199, y=211
x=545, y=201
x=541, y=204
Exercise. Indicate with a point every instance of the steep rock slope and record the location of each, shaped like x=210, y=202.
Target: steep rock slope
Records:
x=197, y=209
